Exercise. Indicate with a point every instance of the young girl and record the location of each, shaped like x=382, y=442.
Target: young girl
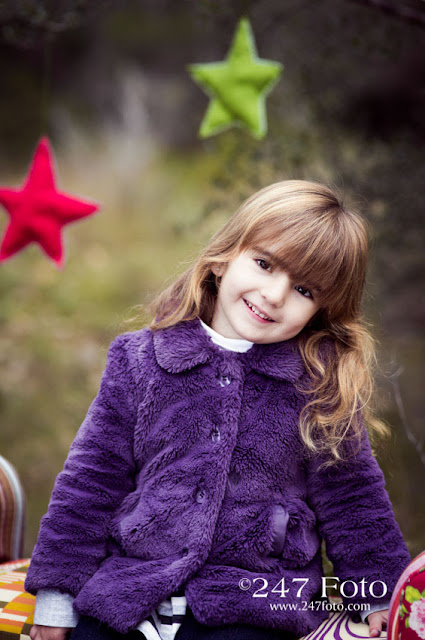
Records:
x=227, y=440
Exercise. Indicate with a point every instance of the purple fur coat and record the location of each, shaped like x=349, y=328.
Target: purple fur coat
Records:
x=178, y=475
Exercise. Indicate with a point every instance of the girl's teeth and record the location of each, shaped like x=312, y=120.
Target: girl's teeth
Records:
x=257, y=312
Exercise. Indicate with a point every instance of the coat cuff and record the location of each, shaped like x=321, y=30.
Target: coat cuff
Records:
x=374, y=607
x=54, y=609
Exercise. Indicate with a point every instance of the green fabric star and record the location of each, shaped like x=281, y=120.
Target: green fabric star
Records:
x=238, y=86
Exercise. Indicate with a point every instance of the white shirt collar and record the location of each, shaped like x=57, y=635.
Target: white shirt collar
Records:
x=232, y=344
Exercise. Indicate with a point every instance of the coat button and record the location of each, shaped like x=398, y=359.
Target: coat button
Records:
x=215, y=434
x=184, y=551
x=200, y=495
x=224, y=380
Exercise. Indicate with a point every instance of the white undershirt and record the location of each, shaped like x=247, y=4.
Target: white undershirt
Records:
x=232, y=344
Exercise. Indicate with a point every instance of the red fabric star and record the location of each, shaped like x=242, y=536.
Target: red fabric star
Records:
x=38, y=211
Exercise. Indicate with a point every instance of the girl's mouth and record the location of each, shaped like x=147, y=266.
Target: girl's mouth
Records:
x=257, y=314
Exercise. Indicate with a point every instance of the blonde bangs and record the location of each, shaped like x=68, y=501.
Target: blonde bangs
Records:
x=322, y=248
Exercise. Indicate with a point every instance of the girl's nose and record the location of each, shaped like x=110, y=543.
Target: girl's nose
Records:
x=277, y=289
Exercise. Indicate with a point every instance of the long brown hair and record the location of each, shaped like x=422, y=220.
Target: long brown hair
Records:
x=321, y=243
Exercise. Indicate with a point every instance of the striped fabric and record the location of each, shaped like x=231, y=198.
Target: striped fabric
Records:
x=339, y=626
x=55, y=609
x=12, y=513
x=165, y=621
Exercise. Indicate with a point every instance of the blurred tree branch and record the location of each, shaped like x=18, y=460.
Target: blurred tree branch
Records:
x=416, y=442
x=403, y=10
x=26, y=24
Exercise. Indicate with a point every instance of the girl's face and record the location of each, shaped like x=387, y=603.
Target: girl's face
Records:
x=253, y=284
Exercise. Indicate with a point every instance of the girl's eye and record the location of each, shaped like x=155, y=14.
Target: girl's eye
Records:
x=304, y=292
x=263, y=263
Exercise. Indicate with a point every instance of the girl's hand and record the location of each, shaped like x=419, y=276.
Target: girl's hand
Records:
x=377, y=620
x=41, y=632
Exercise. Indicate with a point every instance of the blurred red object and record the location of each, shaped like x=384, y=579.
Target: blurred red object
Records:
x=406, y=620
x=38, y=211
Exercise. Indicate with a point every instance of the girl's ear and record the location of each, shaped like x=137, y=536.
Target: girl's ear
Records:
x=217, y=269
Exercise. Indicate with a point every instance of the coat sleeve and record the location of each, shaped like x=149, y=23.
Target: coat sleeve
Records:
x=98, y=472
x=356, y=520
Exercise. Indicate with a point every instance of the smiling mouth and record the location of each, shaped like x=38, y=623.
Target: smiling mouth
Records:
x=257, y=312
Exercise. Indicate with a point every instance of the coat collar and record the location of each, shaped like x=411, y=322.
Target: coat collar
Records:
x=187, y=344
